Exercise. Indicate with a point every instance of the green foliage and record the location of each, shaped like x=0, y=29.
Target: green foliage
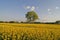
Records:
x=58, y=22
x=13, y=22
x=1, y=21
x=31, y=16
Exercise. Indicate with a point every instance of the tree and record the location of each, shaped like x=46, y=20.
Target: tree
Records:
x=58, y=22
x=31, y=16
x=12, y=22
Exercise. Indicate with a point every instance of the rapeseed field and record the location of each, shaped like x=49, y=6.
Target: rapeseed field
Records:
x=14, y=31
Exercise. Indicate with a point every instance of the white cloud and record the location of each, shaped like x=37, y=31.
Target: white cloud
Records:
x=27, y=7
x=33, y=8
x=57, y=7
x=49, y=9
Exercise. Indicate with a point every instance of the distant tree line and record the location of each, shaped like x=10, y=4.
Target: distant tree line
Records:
x=57, y=22
x=9, y=22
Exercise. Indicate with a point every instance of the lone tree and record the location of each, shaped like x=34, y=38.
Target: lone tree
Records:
x=31, y=16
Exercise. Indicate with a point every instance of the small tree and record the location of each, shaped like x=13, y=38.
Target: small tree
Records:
x=58, y=22
x=12, y=22
x=31, y=16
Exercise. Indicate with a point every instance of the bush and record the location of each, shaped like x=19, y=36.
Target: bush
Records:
x=1, y=21
x=12, y=21
x=57, y=22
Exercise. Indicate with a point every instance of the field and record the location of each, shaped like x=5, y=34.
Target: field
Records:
x=13, y=31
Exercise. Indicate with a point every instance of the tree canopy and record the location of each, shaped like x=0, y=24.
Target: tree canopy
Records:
x=31, y=16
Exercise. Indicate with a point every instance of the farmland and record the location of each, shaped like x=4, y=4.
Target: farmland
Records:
x=14, y=31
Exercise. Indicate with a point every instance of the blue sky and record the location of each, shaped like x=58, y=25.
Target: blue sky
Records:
x=47, y=10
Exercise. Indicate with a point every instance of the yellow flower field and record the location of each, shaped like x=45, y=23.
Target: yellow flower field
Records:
x=14, y=31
